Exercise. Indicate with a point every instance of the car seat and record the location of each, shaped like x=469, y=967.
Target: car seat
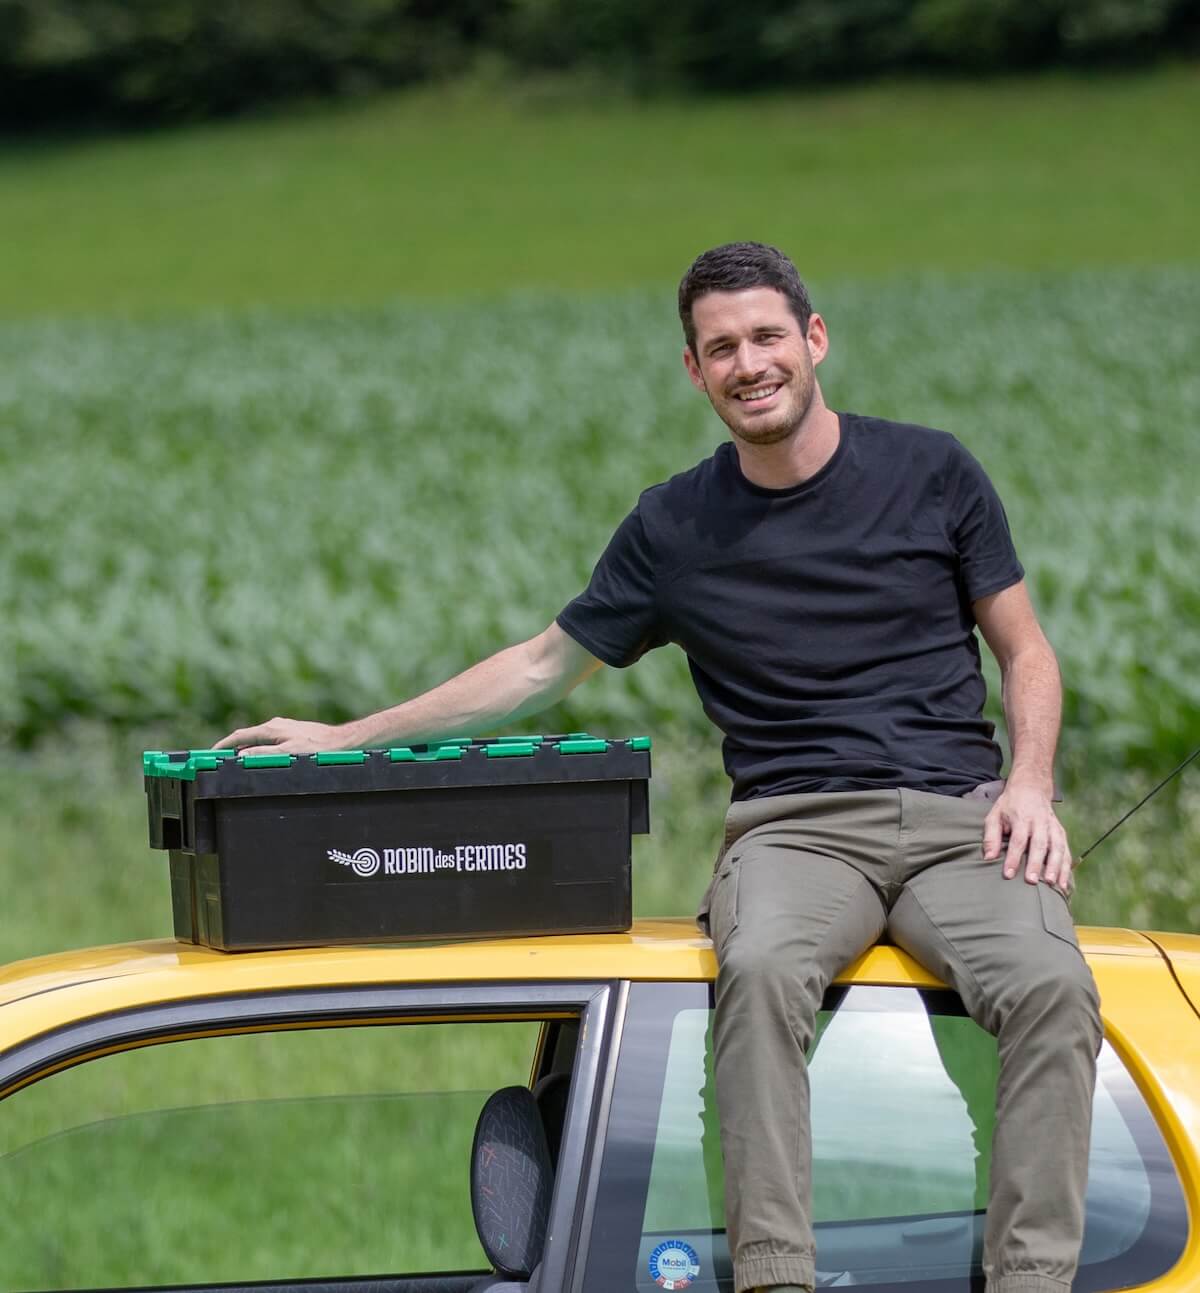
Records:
x=512, y=1179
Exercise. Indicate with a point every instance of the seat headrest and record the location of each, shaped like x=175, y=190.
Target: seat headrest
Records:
x=511, y=1182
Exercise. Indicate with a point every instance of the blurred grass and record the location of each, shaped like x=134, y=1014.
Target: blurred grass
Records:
x=77, y=870
x=221, y=518
x=218, y=514
x=337, y=1151
x=218, y=518
x=215, y=516
x=489, y=188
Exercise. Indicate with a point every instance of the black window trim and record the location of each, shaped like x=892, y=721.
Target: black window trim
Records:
x=658, y=999
x=597, y=1136
x=73, y=1043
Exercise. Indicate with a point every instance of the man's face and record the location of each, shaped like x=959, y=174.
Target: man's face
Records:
x=753, y=363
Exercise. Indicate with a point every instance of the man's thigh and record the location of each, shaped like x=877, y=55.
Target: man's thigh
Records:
x=961, y=918
x=776, y=908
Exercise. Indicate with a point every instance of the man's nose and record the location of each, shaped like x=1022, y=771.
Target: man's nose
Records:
x=748, y=360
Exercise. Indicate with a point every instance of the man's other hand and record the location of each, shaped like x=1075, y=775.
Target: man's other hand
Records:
x=1036, y=838
x=284, y=736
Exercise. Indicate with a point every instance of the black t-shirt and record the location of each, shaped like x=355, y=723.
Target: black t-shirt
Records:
x=828, y=626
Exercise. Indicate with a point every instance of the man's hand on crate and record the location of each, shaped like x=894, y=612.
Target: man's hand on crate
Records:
x=520, y=680
x=285, y=736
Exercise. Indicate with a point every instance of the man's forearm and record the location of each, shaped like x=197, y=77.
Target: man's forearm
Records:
x=509, y=685
x=1032, y=692
x=1031, y=687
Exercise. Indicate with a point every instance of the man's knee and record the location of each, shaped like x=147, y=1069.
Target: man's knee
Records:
x=1053, y=991
x=751, y=964
x=756, y=976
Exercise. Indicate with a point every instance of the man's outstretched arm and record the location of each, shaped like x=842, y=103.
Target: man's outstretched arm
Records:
x=1032, y=693
x=514, y=683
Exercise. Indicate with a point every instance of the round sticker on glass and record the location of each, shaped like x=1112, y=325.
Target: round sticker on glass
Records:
x=674, y=1264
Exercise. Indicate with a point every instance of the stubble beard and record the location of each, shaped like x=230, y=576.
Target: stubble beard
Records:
x=790, y=420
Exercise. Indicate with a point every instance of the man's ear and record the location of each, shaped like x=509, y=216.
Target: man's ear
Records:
x=693, y=370
x=817, y=338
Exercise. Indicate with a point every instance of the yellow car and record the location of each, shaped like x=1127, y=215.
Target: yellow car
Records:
x=535, y=1114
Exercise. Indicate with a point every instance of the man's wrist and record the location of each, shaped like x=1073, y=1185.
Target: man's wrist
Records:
x=1039, y=781
x=351, y=736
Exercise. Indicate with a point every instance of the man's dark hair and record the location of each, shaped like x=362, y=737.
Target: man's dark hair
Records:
x=735, y=266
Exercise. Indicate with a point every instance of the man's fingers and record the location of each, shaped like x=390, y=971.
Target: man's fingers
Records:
x=243, y=736
x=993, y=835
x=1018, y=839
x=1057, y=857
x=1039, y=844
x=284, y=736
x=235, y=739
x=1036, y=839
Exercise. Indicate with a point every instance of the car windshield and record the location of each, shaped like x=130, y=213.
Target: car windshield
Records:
x=903, y=1097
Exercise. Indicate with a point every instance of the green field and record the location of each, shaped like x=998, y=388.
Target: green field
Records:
x=489, y=189
x=303, y=415
x=272, y=1155
x=217, y=514
x=215, y=520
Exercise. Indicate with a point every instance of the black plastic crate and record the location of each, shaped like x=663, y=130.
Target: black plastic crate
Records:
x=461, y=839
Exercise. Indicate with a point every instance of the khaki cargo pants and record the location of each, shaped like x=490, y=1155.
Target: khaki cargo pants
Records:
x=803, y=885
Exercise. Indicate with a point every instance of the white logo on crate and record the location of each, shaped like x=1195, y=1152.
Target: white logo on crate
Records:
x=362, y=861
x=426, y=860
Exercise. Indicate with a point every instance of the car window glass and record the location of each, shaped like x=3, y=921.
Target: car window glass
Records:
x=903, y=1095
x=318, y=1153
x=924, y=1132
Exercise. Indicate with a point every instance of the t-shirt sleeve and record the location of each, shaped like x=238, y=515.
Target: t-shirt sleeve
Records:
x=616, y=615
x=987, y=557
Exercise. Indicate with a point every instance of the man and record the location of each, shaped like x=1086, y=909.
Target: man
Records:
x=825, y=573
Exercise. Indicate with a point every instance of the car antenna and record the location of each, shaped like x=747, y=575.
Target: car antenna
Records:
x=1140, y=802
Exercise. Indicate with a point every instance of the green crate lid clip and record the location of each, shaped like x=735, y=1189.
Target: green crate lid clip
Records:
x=582, y=745
x=333, y=758
x=165, y=768
x=438, y=754
x=511, y=748
x=266, y=760
x=639, y=742
x=157, y=763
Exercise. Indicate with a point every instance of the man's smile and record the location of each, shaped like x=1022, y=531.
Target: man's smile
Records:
x=757, y=394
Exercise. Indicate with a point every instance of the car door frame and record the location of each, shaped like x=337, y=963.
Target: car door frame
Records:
x=597, y=1004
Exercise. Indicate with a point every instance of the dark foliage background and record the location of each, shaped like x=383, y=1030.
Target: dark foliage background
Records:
x=72, y=61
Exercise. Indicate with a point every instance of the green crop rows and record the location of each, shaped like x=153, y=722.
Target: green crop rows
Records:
x=291, y=508
x=232, y=516
x=215, y=519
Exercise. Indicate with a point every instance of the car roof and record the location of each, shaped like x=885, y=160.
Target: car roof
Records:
x=131, y=974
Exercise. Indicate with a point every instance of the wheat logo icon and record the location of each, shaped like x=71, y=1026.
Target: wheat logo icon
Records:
x=361, y=861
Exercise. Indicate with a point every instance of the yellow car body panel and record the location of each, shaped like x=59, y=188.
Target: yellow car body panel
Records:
x=1148, y=1019
x=47, y=991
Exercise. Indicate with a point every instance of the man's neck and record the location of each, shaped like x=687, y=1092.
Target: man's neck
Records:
x=796, y=459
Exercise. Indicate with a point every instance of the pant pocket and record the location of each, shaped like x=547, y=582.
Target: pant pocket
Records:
x=1056, y=914
x=719, y=910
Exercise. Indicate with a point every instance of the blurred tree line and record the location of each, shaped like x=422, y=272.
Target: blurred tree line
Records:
x=161, y=60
